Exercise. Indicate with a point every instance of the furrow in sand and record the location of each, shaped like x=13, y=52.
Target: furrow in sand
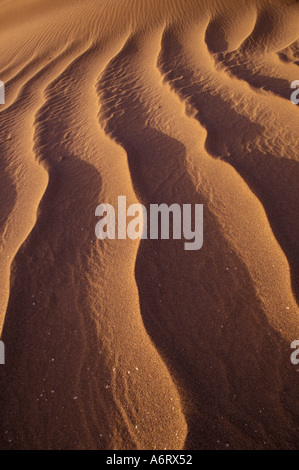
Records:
x=17, y=79
x=256, y=59
x=252, y=53
x=290, y=55
x=95, y=361
x=264, y=73
x=192, y=76
x=207, y=331
x=250, y=140
x=23, y=180
x=91, y=375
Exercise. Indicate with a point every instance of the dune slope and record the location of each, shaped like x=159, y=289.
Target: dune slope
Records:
x=141, y=344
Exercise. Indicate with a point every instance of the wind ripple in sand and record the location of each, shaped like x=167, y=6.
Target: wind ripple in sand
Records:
x=84, y=334
x=183, y=119
x=140, y=93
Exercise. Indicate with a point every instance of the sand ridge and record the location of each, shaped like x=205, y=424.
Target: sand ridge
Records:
x=129, y=345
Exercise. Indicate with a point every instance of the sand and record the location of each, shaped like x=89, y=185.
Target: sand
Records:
x=123, y=344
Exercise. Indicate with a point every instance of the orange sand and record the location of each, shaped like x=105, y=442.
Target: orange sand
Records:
x=142, y=345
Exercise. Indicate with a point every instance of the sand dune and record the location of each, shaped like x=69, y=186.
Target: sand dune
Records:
x=140, y=344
